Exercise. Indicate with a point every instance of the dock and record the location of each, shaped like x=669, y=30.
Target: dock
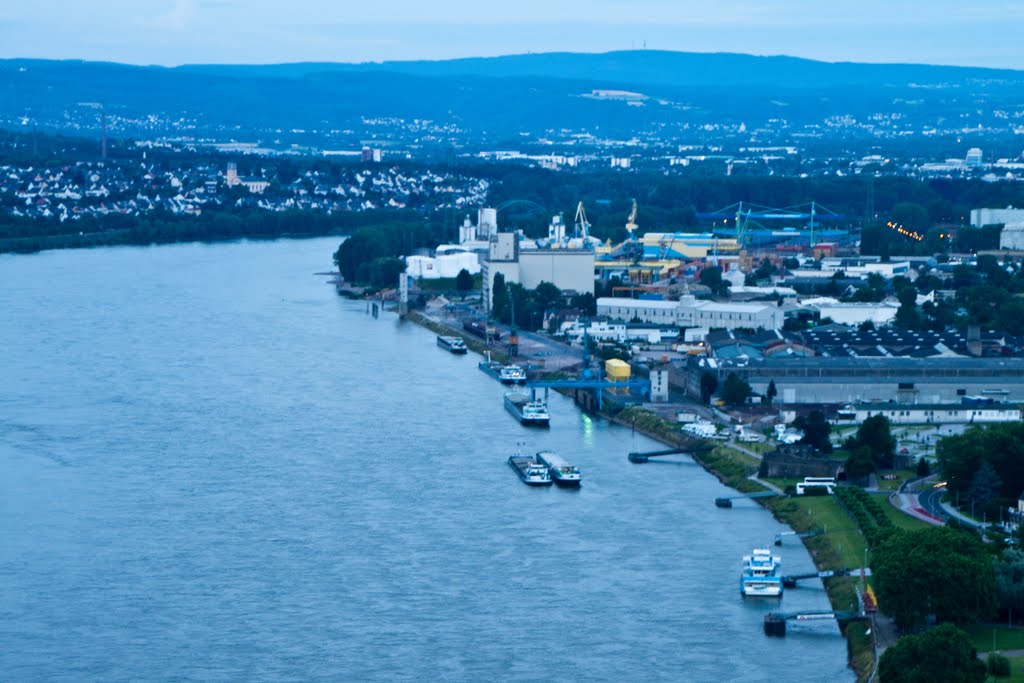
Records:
x=644, y=457
x=726, y=501
x=791, y=580
x=802, y=534
x=775, y=622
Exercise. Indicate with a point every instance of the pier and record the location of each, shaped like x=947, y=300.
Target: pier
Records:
x=775, y=622
x=726, y=501
x=644, y=457
x=802, y=534
x=790, y=580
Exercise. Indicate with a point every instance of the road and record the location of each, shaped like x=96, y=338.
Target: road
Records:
x=929, y=501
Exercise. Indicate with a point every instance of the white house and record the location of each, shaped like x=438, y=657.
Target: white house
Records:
x=939, y=413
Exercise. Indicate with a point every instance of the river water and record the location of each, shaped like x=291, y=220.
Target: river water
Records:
x=212, y=467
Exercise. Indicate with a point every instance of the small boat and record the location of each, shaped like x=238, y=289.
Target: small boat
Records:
x=527, y=411
x=511, y=374
x=530, y=470
x=759, y=575
x=453, y=344
x=562, y=473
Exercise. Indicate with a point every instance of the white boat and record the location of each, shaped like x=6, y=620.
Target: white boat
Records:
x=511, y=374
x=759, y=576
x=453, y=344
x=529, y=470
x=527, y=411
x=563, y=473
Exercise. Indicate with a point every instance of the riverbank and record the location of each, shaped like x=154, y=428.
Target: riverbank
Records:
x=734, y=469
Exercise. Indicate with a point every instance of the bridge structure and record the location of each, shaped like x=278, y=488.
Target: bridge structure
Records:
x=640, y=386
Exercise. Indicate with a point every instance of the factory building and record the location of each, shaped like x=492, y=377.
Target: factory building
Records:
x=690, y=312
x=981, y=217
x=876, y=380
x=567, y=269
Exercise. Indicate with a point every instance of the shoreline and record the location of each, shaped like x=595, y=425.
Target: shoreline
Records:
x=837, y=589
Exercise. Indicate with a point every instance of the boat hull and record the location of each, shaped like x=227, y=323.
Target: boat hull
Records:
x=452, y=344
x=527, y=420
x=760, y=591
x=528, y=470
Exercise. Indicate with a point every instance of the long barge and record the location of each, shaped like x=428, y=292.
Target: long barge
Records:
x=527, y=411
x=530, y=470
x=562, y=472
x=506, y=374
x=453, y=344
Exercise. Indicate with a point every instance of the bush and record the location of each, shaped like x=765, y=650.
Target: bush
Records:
x=998, y=665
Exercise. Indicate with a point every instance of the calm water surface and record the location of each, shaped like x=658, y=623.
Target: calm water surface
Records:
x=211, y=467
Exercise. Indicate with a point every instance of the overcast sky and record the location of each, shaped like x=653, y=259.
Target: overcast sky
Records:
x=169, y=32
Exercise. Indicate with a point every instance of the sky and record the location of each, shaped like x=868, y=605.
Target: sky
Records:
x=172, y=32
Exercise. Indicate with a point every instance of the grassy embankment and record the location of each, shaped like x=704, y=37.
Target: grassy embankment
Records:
x=998, y=638
x=841, y=546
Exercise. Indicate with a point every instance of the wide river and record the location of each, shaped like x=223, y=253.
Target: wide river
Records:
x=212, y=467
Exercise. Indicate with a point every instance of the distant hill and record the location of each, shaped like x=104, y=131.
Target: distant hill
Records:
x=650, y=67
x=490, y=100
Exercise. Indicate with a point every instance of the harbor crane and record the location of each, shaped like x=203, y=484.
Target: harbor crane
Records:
x=631, y=225
x=582, y=225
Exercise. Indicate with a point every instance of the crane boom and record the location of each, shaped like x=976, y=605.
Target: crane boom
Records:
x=582, y=225
x=631, y=221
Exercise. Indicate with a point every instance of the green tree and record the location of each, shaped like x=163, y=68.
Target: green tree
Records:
x=907, y=315
x=548, y=295
x=923, y=470
x=943, y=653
x=939, y=571
x=711, y=277
x=463, y=282
x=985, y=486
x=876, y=434
x=912, y=216
x=500, y=300
x=384, y=271
x=771, y=392
x=736, y=390
x=816, y=430
x=1009, y=572
x=1002, y=445
x=860, y=463
x=585, y=302
x=997, y=665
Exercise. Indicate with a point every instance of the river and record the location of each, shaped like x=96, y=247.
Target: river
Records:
x=213, y=467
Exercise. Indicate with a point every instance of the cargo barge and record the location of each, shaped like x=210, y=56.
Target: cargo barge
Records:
x=453, y=344
x=527, y=411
